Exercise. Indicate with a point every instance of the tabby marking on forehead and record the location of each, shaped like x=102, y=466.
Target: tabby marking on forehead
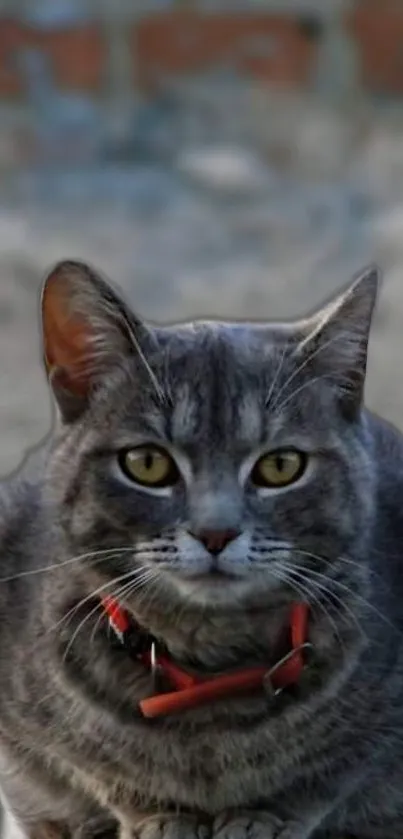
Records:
x=250, y=419
x=185, y=414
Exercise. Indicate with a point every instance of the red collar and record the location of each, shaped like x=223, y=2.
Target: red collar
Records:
x=191, y=691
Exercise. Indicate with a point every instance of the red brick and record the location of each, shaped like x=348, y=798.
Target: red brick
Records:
x=13, y=36
x=77, y=56
x=378, y=31
x=182, y=42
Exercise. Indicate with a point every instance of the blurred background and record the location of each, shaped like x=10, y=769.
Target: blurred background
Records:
x=214, y=157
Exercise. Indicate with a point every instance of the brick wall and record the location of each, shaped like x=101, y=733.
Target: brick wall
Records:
x=76, y=55
x=278, y=48
x=377, y=29
x=104, y=51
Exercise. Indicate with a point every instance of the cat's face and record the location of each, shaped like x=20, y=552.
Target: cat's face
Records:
x=227, y=461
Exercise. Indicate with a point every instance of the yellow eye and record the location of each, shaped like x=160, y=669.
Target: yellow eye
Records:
x=150, y=466
x=279, y=468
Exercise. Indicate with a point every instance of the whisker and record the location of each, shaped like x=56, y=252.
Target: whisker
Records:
x=80, y=626
x=308, y=383
x=358, y=597
x=93, y=611
x=351, y=562
x=276, y=376
x=103, y=554
x=96, y=627
x=308, y=594
x=366, y=603
x=167, y=384
x=331, y=598
x=328, y=591
x=100, y=556
x=117, y=593
x=133, y=585
x=149, y=590
x=307, y=360
x=120, y=593
x=70, y=614
x=153, y=379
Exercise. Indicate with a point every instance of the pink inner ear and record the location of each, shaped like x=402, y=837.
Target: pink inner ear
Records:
x=66, y=341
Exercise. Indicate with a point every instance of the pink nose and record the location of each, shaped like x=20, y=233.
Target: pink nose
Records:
x=215, y=540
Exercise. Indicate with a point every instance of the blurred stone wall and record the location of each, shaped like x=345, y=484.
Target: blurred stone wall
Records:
x=75, y=75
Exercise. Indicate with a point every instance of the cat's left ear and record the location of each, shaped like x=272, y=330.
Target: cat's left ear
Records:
x=87, y=331
x=336, y=338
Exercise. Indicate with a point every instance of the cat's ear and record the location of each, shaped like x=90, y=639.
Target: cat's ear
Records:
x=336, y=338
x=87, y=330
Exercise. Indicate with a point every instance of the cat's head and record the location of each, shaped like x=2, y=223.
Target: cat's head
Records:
x=226, y=463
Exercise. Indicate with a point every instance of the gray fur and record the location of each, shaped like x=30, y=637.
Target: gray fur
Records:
x=326, y=761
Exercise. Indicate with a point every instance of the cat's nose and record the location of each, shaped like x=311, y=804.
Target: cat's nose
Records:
x=215, y=540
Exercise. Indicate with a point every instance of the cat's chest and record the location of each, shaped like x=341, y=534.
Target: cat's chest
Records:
x=212, y=763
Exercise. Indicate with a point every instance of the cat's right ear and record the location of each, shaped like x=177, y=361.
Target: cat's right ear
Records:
x=87, y=330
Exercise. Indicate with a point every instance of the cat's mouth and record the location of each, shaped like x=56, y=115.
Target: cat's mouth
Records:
x=214, y=574
x=215, y=570
x=219, y=585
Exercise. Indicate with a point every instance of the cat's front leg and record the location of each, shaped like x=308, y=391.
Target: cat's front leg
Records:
x=245, y=825
x=167, y=826
x=98, y=827
x=46, y=830
x=248, y=825
x=262, y=825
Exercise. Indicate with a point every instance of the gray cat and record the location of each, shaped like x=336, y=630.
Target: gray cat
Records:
x=202, y=581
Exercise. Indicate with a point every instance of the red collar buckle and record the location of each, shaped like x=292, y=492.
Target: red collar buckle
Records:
x=191, y=691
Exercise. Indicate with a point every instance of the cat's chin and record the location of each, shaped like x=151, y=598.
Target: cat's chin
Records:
x=216, y=588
